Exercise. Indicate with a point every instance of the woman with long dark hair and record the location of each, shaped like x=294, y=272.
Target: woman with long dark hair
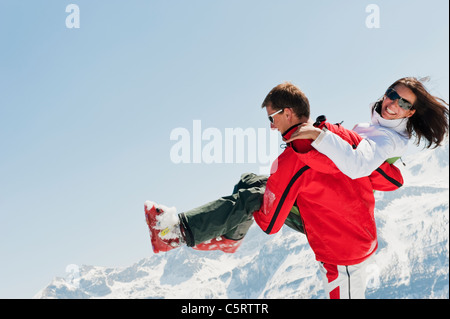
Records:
x=407, y=110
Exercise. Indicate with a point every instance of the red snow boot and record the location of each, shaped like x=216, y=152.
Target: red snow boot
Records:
x=220, y=243
x=162, y=237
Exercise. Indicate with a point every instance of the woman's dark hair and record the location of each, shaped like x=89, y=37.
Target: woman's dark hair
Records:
x=430, y=121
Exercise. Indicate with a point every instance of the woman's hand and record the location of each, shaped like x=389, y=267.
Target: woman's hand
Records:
x=305, y=131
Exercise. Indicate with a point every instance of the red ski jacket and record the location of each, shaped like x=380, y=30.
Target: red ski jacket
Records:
x=337, y=211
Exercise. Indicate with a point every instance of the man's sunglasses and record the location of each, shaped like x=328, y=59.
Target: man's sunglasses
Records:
x=273, y=114
x=393, y=95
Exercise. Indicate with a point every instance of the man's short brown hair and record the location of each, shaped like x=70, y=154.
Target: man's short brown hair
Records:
x=287, y=95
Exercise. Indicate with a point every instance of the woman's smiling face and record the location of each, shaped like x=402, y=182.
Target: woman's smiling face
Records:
x=390, y=110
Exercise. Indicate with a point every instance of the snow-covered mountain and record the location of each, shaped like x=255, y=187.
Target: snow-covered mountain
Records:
x=412, y=260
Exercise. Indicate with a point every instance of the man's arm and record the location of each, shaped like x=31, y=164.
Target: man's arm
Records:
x=386, y=178
x=281, y=191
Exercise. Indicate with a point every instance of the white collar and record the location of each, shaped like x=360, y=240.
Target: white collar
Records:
x=398, y=125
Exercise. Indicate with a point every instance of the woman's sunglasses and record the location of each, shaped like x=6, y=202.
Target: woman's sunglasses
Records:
x=273, y=114
x=393, y=95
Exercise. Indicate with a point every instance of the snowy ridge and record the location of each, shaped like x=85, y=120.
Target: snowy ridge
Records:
x=412, y=260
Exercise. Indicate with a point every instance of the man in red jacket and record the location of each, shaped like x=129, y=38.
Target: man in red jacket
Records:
x=336, y=212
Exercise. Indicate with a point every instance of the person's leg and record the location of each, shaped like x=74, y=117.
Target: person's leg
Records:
x=220, y=224
x=229, y=216
x=294, y=220
x=344, y=282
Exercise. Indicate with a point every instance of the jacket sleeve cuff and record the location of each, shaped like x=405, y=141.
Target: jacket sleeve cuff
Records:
x=320, y=137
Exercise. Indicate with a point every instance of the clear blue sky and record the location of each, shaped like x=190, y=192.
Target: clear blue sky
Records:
x=86, y=114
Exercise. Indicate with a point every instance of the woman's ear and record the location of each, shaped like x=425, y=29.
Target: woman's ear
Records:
x=411, y=113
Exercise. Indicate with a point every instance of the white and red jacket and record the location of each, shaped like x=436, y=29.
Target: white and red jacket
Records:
x=337, y=211
x=382, y=139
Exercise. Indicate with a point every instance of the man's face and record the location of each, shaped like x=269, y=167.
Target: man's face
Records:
x=280, y=121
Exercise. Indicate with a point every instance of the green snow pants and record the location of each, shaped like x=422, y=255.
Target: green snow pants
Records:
x=231, y=216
